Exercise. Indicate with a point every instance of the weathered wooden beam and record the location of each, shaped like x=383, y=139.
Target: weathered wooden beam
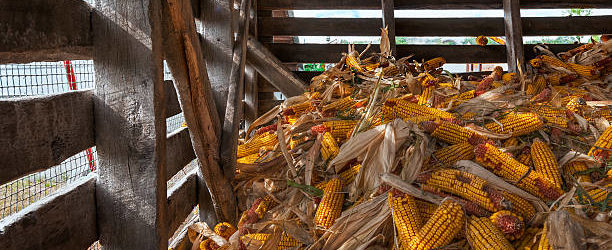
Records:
x=486, y=26
x=514, y=36
x=388, y=21
x=330, y=53
x=65, y=219
x=131, y=130
x=179, y=151
x=173, y=107
x=41, y=30
x=431, y=4
x=250, y=75
x=40, y=132
x=234, y=108
x=217, y=43
x=272, y=69
x=185, y=58
x=182, y=198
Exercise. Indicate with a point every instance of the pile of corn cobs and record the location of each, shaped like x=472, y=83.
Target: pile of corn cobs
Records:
x=398, y=154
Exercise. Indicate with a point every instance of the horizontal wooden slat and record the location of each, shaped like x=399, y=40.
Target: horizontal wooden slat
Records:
x=309, y=53
x=173, y=107
x=63, y=220
x=42, y=30
x=431, y=4
x=40, y=132
x=265, y=105
x=179, y=151
x=182, y=198
x=532, y=26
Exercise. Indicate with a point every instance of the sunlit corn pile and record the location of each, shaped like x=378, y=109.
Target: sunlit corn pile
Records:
x=385, y=153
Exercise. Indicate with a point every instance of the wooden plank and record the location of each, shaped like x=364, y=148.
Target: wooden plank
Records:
x=432, y=4
x=514, y=36
x=272, y=69
x=331, y=53
x=487, y=26
x=182, y=198
x=131, y=131
x=173, y=107
x=40, y=132
x=388, y=21
x=179, y=152
x=217, y=43
x=65, y=219
x=186, y=61
x=234, y=108
x=40, y=30
x=251, y=76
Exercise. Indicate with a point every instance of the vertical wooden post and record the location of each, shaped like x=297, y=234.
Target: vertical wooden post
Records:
x=251, y=89
x=388, y=20
x=514, y=35
x=131, y=125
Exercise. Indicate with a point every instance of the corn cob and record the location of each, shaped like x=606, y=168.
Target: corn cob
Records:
x=509, y=77
x=208, y=244
x=372, y=66
x=249, y=159
x=601, y=149
x=426, y=209
x=404, y=109
x=449, y=155
x=329, y=147
x=447, y=131
x=545, y=163
x=529, y=239
x=575, y=104
x=544, y=242
x=536, y=62
x=439, y=230
x=553, y=79
x=225, y=230
x=505, y=166
x=524, y=156
x=352, y=62
x=516, y=123
x=297, y=109
x=457, y=99
x=340, y=128
x=330, y=207
x=554, y=116
x=286, y=241
x=553, y=62
x=537, y=86
x=428, y=80
x=511, y=142
x=434, y=63
x=469, y=207
x=520, y=206
x=346, y=177
x=426, y=96
x=588, y=72
x=297, y=140
x=390, y=71
x=601, y=194
x=483, y=235
x=482, y=40
x=405, y=216
x=465, y=185
x=510, y=224
x=256, y=143
x=257, y=210
x=341, y=104
x=574, y=167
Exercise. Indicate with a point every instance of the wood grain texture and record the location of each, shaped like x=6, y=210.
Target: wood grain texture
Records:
x=331, y=53
x=182, y=198
x=250, y=75
x=487, y=26
x=432, y=4
x=131, y=131
x=217, y=44
x=40, y=132
x=64, y=220
x=272, y=69
x=179, y=151
x=40, y=30
x=514, y=36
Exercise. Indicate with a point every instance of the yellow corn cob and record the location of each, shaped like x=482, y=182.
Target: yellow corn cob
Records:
x=520, y=206
x=405, y=216
x=574, y=167
x=524, y=157
x=295, y=141
x=554, y=79
x=553, y=62
x=249, y=159
x=441, y=228
x=340, y=104
x=426, y=97
x=426, y=209
x=509, y=223
x=448, y=131
x=427, y=80
x=339, y=129
x=529, y=239
x=507, y=167
x=482, y=40
x=347, y=176
x=516, y=123
x=545, y=163
x=465, y=185
x=536, y=62
x=449, y=155
x=544, y=242
x=511, y=142
x=372, y=66
x=434, y=63
x=584, y=71
x=509, y=77
x=257, y=211
x=225, y=230
x=298, y=109
x=404, y=109
x=256, y=143
x=265, y=205
x=551, y=115
x=600, y=194
x=329, y=147
x=458, y=99
x=208, y=244
x=483, y=235
x=602, y=146
x=286, y=241
x=330, y=207
x=419, y=119
x=499, y=40
x=351, y=61
x=538, y=85
x=574, y=103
